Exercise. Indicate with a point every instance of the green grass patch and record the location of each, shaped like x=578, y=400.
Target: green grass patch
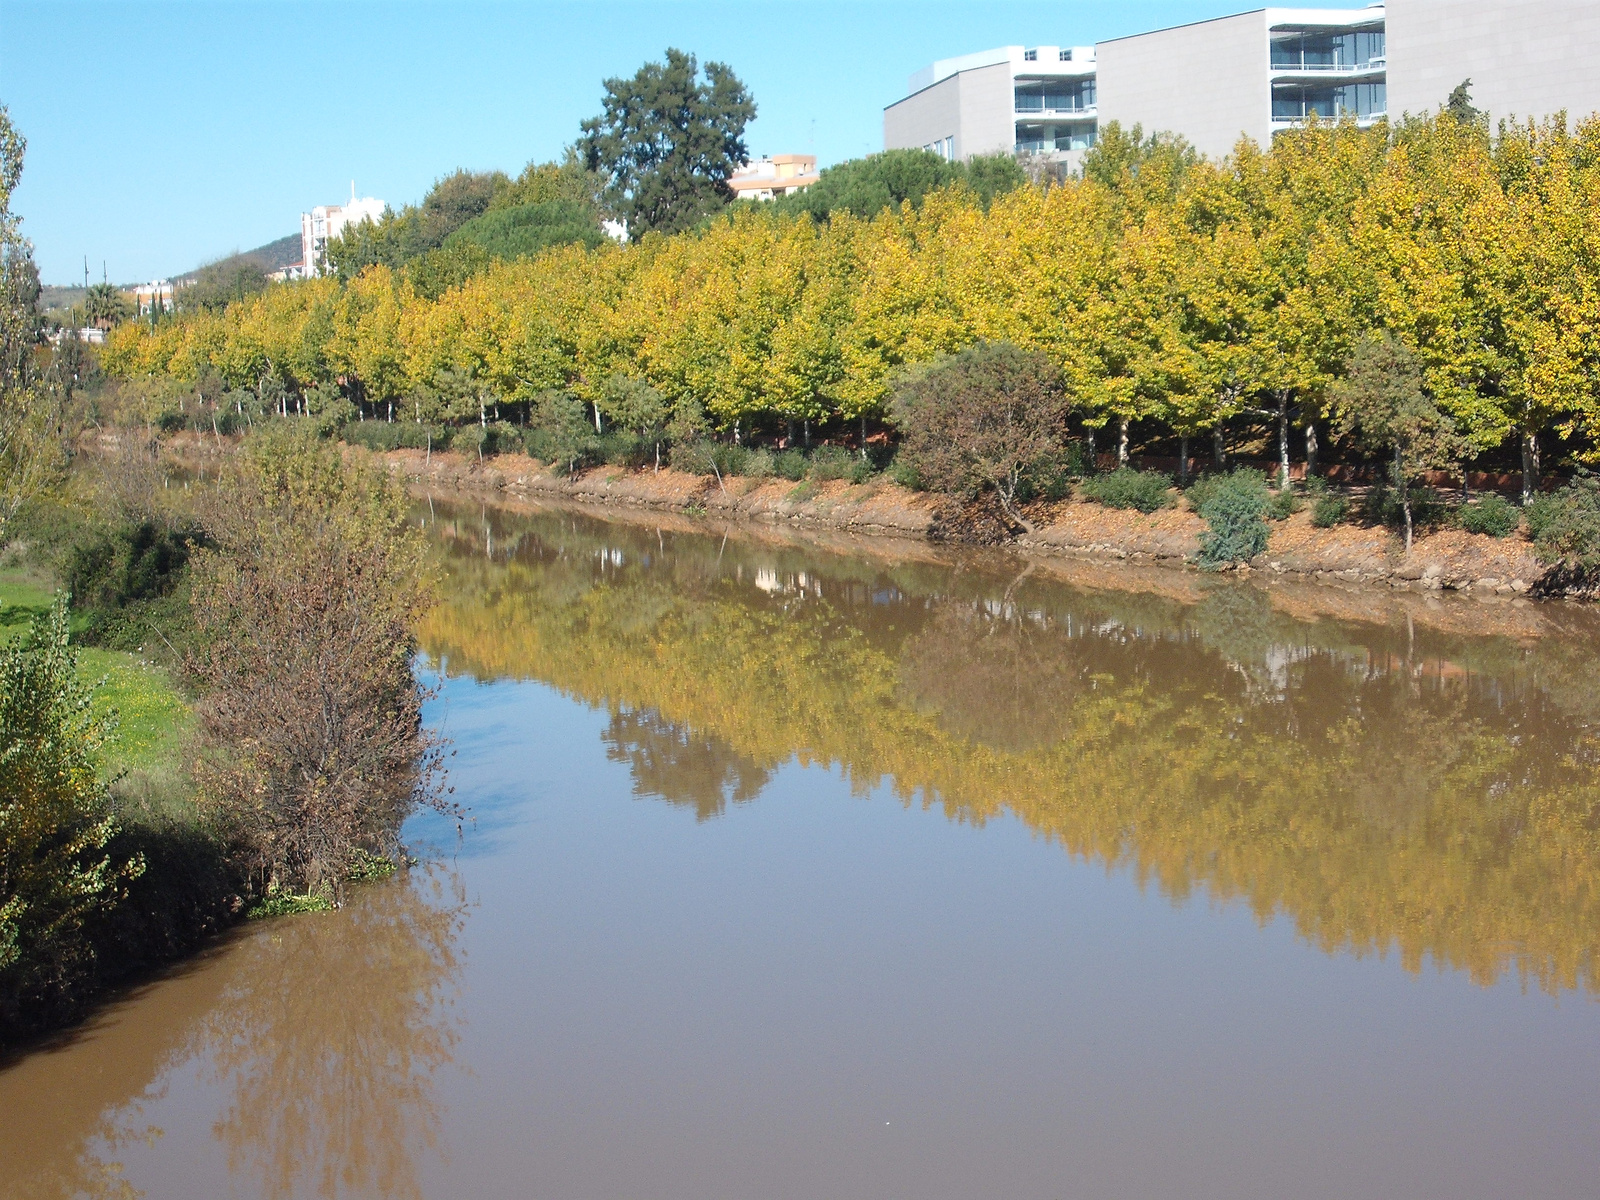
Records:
x=287, y=904
x=152, y=717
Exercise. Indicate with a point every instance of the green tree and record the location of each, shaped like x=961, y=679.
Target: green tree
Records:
x=55, y=811
x=29, y=457
x=1382, y=401
x=667, y=142
x=105, y=306
x=867, y=186
x=981, y=419
x=218, y=284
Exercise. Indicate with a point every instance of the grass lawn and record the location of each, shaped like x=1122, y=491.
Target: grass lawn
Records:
x=152, y=717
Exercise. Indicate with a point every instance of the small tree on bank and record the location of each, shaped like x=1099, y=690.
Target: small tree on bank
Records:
x=313, y=750
x=1382, y=401
x=978, y=421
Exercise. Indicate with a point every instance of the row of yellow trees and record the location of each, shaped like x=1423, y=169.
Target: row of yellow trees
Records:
x=1174, y=295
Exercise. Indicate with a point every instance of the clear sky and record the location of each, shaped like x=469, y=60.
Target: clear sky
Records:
x=161, y=135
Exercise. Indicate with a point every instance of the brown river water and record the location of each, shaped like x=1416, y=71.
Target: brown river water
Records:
x=800, y=870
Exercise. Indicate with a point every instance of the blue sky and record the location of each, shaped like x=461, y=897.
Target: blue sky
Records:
x=161, y=135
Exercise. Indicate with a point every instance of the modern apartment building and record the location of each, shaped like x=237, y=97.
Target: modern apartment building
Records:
x=1033, y=99
x=1250, y=74
x=1526, y=58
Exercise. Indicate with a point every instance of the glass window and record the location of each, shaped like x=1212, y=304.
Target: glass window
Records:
x=1030, y=55
x=1030, y=99
x=1065, y=55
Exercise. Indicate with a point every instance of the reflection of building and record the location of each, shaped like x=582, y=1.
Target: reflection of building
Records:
x=774, y=176
x=1034, y=100
x=1255, y=73
x=157, y=294
x=326, y=222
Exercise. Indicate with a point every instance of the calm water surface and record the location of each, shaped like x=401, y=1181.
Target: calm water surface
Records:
x=799, y=873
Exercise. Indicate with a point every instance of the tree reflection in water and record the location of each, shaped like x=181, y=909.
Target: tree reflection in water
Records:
x=678, y=765
x=328, y=1036
x=1387, y=788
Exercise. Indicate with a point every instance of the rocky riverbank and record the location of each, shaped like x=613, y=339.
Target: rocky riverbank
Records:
x=1447, y=560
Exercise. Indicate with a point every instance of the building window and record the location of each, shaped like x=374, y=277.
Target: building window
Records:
x=1030, y=56
x=1310, y=50
x=1064, y=55
x=1363, y=101
x=1055, y=95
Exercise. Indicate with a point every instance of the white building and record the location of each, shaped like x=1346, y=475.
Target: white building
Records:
x=1256, y=73
x=774, y=176
x=1029, y=99
x=1526, y=58
x=1250, y=74
x=326, y=222
x=153, y=295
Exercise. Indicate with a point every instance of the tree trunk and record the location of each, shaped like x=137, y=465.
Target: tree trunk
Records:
x=808, y=432
x=1183, y=460
x=863, y=435
x=1283, y=441
x=1405, y=495
x=1219, y=453
x=788, y=433
x=1530, y=464
x=1122, y=441
x=658, y=458
x=1089, y=438
x=597, y=428
x=483, y=416
x=391, y=411
x=1311, y=449
x=736, y=431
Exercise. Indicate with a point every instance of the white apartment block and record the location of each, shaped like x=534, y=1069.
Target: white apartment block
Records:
x=326, y=222
x=1526, y=58
x=1034, y=99
x=1257, y=73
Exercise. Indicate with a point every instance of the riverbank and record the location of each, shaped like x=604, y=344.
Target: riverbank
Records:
x=1447, y=560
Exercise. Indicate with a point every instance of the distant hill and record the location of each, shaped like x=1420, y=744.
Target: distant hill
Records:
x=274, y=256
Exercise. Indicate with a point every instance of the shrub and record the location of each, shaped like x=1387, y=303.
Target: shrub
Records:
x=728, y=458
x=974, y=423
x=1492, y=514
x=1327, y=510
x=1233, y=507
x=559, y=432
x=791, y=465
x=55, y=816
x=903, y=473
x=695, y=457
x=833, y=462
x=1283, y=505
x=125, y=583
x=1565, y=525
x=312, y=745
x=759, y=464
x=1384, y=505
x=1146, y=491
x=379, y=436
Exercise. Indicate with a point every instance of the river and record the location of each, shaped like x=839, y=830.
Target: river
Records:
x=807, y=868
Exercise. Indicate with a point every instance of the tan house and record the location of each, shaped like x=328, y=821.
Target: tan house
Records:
x=777, y=175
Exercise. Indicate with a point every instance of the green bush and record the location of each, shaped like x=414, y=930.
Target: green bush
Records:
x=729, y=459
x=127, y=582
x=695, y=457
x=1233, y=507
x=834, y=462
x=759, y=464
x=1492, y=514
x=905, y=474
x=1327, y=510
x=791, y=465
x=1565, y=525
x=379, y=436
x=1381, y=506
x=55, y=872
x=1125, y=487
x=1283, y=505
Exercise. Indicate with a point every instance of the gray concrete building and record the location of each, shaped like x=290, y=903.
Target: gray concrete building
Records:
x=1526, y=58
x=1027, y=99
x=1246, y=75
x=1256, y=73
